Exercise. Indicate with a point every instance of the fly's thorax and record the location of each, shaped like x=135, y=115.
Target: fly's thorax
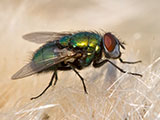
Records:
x=90, y=44
x=111, y=46
x=79, y=40
x=85, y=39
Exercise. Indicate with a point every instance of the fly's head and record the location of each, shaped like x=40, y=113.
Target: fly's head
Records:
x=111, y=46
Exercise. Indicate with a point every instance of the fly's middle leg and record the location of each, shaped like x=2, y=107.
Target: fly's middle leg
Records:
x=82, y=79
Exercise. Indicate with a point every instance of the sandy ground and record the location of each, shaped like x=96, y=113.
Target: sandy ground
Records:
x=133, y=21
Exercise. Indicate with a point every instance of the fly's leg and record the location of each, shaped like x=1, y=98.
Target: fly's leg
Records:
x=82, y=79
x=56, y=78
x=96, y=64
x=123, y=71
x=127, y=62
x=50, y=84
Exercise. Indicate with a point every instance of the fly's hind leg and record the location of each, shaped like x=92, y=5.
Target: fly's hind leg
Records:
x=50, y=84
x=82, y=79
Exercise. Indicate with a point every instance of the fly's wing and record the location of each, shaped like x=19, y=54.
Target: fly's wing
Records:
x=35, y=67
x=43, y=37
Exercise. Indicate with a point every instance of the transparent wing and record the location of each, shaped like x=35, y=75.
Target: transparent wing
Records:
x=35, y=67
x=43, y=37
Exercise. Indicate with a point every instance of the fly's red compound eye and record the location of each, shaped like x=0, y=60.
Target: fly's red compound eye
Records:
x=109, y=42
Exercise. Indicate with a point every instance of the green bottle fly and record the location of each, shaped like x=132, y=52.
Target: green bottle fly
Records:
x=71, y=51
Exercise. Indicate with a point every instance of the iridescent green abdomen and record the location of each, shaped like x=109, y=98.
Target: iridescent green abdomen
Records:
x=64, y=41
x=44, y=53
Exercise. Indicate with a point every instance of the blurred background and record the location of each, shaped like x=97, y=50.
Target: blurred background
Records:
x=136, y=22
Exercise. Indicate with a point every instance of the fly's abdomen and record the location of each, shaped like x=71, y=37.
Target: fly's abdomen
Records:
x=64, y=41
x=46, y=52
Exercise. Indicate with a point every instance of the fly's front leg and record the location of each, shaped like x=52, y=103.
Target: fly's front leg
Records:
x=127, y=62
x=123, y=71
x=99, y=64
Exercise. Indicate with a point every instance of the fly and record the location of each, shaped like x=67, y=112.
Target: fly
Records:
x=71, y=51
